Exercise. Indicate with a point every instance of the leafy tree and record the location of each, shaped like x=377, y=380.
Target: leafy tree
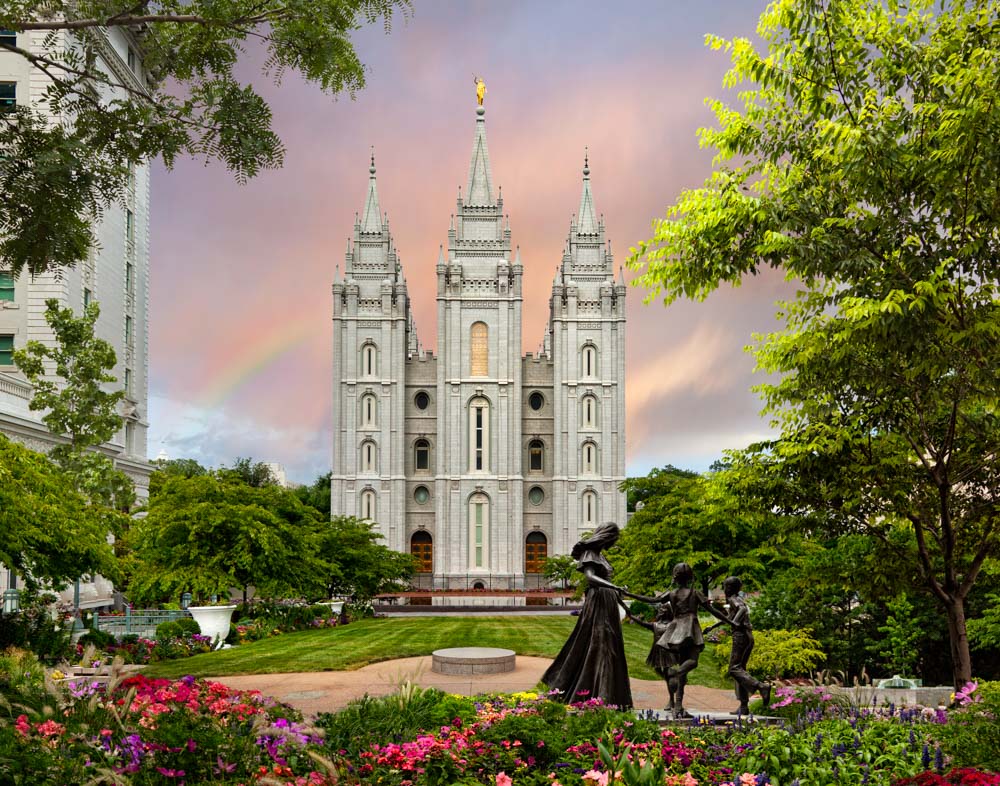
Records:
x=356, y=564
x=188, y=100
x=253, y=473
x=684, y=517
x=170, y=468
x=208, y=533
x=777, y=654
x=901, y=637
x=70, y=380
x=52, y=534
x=317, y=494
x=862, y=163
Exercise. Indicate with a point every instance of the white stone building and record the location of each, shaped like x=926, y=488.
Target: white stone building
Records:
x=479, y=460
x=116, y=275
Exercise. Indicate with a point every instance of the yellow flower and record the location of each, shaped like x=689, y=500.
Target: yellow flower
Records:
x=57, y=675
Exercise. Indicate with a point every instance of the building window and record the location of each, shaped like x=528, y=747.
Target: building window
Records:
x=368, y=410
x=589, y=509
x=8, y=96
x=422, y=547
x=128, y=382
x=369, y=360
x=536, y=455
x=536, y=496
x=129, y=278
x=128, y=330
x=8, y=37
x=536, y=550
x=589, y=412
x=369, y=453
x=536, y=401
x=129, y=226
x=6, y=350
x=588, y=361
x=480, y=351
x=131, y=59
x=421, y=495
x=479, y=435
x=479, y=519
x=422, y=454
x=422, y=400
x=87, y=297
x=368, y=505
x=589, y=458
x=6, y=285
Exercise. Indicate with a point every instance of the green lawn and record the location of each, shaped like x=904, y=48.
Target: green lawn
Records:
x=373, y=640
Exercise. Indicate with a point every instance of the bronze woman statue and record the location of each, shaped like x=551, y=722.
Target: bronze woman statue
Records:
x=592, y=661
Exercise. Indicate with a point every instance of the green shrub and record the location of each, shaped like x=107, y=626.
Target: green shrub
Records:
x=972, y=734
x=169, y=630
x=99, y=638
x=20, y=672
x=188, y=626
x=32, y=628
x=777, y=654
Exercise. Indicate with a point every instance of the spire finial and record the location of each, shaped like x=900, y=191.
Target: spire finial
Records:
x=586, y=162
x=371, y=169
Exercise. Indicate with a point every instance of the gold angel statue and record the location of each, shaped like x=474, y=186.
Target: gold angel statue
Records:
x=480, y=88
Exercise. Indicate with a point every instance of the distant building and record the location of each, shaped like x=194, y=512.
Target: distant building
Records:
x=479, y=461
x=279, y=474
x=116, y=275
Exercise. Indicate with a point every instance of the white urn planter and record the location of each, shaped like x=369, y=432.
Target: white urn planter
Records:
x=213, y=621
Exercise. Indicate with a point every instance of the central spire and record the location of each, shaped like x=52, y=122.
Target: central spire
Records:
x=586, y=223
x=480, y=190
x=371, y=219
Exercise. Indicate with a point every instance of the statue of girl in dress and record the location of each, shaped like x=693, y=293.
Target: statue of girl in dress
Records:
x=592, y=661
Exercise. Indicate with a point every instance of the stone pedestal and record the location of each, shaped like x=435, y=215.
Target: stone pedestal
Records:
x=472, y=660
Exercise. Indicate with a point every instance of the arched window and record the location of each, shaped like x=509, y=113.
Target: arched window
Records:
x=589, y=509
x=536, y=550
x=590, y=463
x=369, y=360
x=479, y=435
x=479, y=355
x=479, y=533
x=369, y=456
x=422, y=454
x=536, y=456
x=588, y=361
x=368, y=505
x=422, y=547
x=368, y=409
x=589, y=412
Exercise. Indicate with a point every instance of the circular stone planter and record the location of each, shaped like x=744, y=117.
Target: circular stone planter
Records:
x=472, y=660
x=213, y=621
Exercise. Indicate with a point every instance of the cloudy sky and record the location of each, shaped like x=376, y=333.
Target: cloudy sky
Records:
x=240, y=350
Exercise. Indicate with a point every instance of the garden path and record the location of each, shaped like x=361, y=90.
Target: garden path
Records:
x=327, y=691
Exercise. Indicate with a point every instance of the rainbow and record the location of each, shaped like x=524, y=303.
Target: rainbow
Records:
x=249, y=359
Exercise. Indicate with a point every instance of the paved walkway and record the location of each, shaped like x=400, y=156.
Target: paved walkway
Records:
x=327, y=691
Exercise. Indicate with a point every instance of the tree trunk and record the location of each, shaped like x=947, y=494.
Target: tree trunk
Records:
x=961, y=660
x=244, y=595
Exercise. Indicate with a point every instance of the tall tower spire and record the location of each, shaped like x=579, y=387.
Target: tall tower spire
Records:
x=480, y=190
x=586, y=220
x=371, y=218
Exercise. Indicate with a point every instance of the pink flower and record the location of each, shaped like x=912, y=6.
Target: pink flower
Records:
x=748, y=779
x=50, y=728
x=503, y=779
x=600, y=778
x=22, y=725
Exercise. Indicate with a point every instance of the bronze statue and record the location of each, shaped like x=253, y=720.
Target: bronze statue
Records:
x=480, y=88
x=660, y=659
x=592, y=662
x=682, y=636
x=739, y=618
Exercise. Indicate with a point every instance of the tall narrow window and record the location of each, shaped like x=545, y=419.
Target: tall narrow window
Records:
x=6, y=350
x=589, y=508
x=6, y=285
x=536, y=455
x=422, y=454
x=480, y=350
x=129, y=278
x=129, y=226
x=479, y=435
x=87, y=297
x=369, y=360
x=536, y=548
x=8, y=96
x=368, y=505
x=589, y=412
x=128, y=382
x=368, y=410
x=589, y=458
x=369, y=461
x=131, y=59
x=479, y=518
x=588, y=361
x=128, y=330
x=422, y=547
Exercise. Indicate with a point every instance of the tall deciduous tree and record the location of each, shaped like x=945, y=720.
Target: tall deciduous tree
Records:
x=357, y=564
x=73, y=384
x=862, y=162
x=188, y=100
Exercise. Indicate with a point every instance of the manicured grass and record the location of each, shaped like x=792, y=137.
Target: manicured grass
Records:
x=373, y=640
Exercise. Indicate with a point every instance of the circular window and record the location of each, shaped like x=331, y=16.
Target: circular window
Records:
x=536, y=401
x=421, y=494
x=536, y=495
x=422, y=400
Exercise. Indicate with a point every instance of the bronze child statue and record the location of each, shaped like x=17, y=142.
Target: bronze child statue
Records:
x=739, y=618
